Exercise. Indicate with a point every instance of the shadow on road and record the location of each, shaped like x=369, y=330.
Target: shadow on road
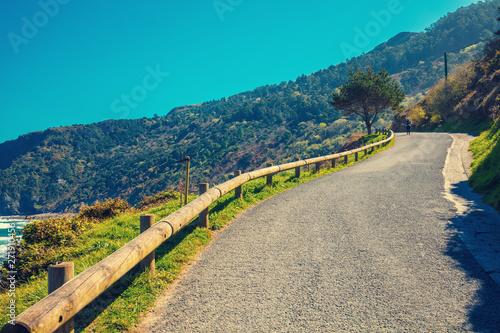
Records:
x=477, y=227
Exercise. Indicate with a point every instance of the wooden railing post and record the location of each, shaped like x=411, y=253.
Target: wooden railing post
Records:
x=318, y=165
x=365, y=151
x=269, y=177
x=345, y=159
x=59, y=274
x=147, y=221
x=238, y=194
x=334, y=163
x=203, y=217
x=356, y=156
x=297, y=172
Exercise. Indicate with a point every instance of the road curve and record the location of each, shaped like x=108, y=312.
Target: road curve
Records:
x=368, y=249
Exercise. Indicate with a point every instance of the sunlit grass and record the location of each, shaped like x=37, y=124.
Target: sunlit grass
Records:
x=485, y=177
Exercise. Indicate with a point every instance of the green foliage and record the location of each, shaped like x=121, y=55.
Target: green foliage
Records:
x=54, y=231
x=467, y=99
x=498, y=19
x=102, y=211
x=368, y=93
x=47, y=241
x=485, y=178
x=157, y=199
x=471, y=125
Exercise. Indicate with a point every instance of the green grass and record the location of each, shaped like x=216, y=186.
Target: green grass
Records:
x=485, y=178
x=470, y=125
x=121, y=307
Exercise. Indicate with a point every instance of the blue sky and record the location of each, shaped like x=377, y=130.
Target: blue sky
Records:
x=65, y=62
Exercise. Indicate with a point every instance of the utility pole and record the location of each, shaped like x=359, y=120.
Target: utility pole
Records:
x=445, y=85
x=446, y=66
x=186, y=184
x=187, y=180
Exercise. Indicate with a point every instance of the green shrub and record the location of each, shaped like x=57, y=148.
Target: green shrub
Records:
x=102, y=211
x=44, y=242
x=54, y=231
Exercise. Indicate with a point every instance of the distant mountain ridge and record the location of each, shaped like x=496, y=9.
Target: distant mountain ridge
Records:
x=61, y=168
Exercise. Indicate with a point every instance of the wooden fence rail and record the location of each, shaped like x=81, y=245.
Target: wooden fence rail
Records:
x=62, y=305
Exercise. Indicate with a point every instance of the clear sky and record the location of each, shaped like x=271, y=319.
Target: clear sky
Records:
x=65, y=62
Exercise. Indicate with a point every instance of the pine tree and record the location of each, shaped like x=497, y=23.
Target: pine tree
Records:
x=368, y=94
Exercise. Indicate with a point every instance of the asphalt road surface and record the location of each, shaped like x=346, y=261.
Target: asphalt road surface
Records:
x=371, y=248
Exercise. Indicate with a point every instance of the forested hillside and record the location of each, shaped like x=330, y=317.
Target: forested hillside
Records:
x=61, y=168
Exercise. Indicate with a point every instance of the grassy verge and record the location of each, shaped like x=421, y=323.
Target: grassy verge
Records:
x=471, y=125
x=485, y=178
x=121, y=307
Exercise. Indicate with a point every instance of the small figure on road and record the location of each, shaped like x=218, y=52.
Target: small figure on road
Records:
x=408, y=126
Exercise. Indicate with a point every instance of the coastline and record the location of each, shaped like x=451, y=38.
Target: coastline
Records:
x=36, y=216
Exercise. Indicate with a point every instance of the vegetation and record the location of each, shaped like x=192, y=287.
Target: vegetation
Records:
x=468, y=98
x=485, y=177
x=157, y=199
x=121, y=307
x=498, y=19
x=368, y=93
x=62, y=169
x=47, y=241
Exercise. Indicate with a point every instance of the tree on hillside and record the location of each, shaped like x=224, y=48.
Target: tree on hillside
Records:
x=498, y=19
x=368, y=94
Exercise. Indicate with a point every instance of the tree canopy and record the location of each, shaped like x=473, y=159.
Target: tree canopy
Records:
x=498, y=19
x=368, y=94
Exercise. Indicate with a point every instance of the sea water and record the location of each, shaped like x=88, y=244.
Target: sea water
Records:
x=5, y=225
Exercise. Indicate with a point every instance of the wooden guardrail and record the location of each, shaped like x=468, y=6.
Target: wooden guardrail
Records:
x=63, y=304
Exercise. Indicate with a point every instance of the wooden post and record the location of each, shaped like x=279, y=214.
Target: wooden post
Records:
x=203, y=217
x=237, y=191
x=345, y=159
x=318, y=165
x=297, y=172
x=356, y=156
x=334, y=163
x=365, y=151
x=269, y=177
x=59, y=274
x=147, y=221
x=373, y=148
x=187, y=181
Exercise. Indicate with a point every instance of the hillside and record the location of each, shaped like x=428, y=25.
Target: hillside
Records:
x=61, y=168
x=472, y=104
x=469, y=96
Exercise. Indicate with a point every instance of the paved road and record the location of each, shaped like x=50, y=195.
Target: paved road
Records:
x=371, y=248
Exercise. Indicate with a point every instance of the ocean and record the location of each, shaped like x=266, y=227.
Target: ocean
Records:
x=4, y=232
